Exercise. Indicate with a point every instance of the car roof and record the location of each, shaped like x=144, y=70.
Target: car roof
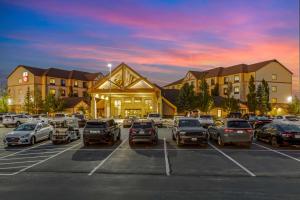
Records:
x=234, y=119
x=99, y=120
x=188, y=118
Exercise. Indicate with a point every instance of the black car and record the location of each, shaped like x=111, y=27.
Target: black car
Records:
x=143, y=131
x=278, y=134
x=101, y=131
x=81, y=120
x=189, y=131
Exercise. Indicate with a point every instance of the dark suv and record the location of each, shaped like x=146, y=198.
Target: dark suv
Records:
x=143, y=131
x=101, y=131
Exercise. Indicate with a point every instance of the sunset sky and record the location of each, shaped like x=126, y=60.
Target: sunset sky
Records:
x=162, y=39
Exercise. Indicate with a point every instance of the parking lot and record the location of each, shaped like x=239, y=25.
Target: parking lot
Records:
x=168, y=170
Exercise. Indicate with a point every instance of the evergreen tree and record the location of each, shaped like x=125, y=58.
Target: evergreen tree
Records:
x=204, y=100
x=266, y=96
x=186, y=100
x=38, y=103
x=215, y=91
x=3, y=102
x=251, y=96
x=230, y=104
x=294, y=106
x=262, y=95
x=28, y=104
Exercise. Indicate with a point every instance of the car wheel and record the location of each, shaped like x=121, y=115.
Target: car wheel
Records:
x=131, y=143
x=173, y=137
x=54, y=142
x=5, y=126
x=32, y=140
x=86, y=143
x=18, y=124
x=178, y=141
x=50, y=136
x=220, y=141
x=274, y=142
x=111, y=140
x=68, y=140
x=119, y=136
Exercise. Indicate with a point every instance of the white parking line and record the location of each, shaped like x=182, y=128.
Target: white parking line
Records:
x=11, y=163
x=35, y=153
x=13, y=167
x=25, y=150
x=24, y=157
x=234, y=161
x=273, y=150
x=103, y=161
x=42, y=161
x=166, y=158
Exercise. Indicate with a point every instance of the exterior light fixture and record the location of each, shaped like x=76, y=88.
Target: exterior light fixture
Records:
x=289, y=99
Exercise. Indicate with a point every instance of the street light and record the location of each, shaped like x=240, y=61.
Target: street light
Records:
x=109, y=65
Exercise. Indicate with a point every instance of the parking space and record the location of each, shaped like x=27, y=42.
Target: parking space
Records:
x=165, y=158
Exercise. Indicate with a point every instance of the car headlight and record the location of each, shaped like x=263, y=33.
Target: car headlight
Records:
x=25, y=136
x=182, y=132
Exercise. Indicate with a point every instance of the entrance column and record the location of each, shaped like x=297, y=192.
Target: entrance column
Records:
x=94, y=107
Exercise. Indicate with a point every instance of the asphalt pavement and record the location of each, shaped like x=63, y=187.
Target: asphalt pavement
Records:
x=163, y=171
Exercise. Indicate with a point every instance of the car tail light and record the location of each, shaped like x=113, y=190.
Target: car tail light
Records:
x=287, y=134
x=227, y=130
x=132, y=131
x=249, y=131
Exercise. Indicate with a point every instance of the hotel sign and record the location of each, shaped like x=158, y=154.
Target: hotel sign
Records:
x=25, y=76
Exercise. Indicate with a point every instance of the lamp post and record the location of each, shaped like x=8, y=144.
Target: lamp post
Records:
x=109, y=65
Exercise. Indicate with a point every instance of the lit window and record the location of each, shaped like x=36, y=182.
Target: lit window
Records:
x=236, y=78
x=274, y=76
x=274, y=100
x=20, y=80
x=52, y=81
x=274, y=89
x=127, y=100
x=225, y=91
x=236, y=90
x=226, y=80
x=137, y=100
x=63, y=93
x=75, y=83
x=52, y=91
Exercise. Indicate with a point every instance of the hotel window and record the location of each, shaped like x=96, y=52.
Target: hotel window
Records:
x=20, y=80
x=127, y=100
x=84, y=84
x=137, y=100
x=52, y=81
x=62, y=93
x=52, y=91
x=236, y=78
x=212, y=81
x=75, y=83
x=236, y=90
x=117, y=107
x=75, y=93
x=274, y=100
x=225, y=91
x=274, y=76
x=274, y=89
x=226, y=80
x=63, y=82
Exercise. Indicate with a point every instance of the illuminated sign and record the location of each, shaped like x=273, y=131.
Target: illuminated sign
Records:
x=25, y=76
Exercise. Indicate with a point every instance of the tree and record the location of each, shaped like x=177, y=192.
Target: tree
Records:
x=186, y=99
x=38, y=103
x=251, y=96
x=54, y=104
x=294, y=106
x=215, y=91
x=3, y=102
x=230, y=104
x=262, y=96
x=28, y=103
x=204, y=100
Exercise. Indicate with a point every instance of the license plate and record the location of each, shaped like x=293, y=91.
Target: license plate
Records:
x=194, y=139
x=240, y=131
x=297, y=136
x=94, y=131
x=141, y=132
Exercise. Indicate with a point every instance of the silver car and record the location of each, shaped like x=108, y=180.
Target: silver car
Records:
x=231, y=131
x=29, y=133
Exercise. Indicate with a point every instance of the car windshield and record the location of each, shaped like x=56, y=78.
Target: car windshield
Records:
x=142, y=125
x=262, y=118
x=95, y=125
x=292, y=118
x=7, y=117
x=59, y=115
x=238, y=124
x=26, y=127
x=154, y=115
x=79, y=116
x=205, y=117
x=189, y=123
x=290, y=127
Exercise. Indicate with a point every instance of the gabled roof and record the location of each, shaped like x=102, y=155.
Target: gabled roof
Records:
x=71, y=102
x=175, y=82
x=171, y=95
x=198, y=74
x=61, y=73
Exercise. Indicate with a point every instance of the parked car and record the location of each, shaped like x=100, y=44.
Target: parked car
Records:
x=81, y=119
x=189, y=131
x=258, y=120
x=38, y=118
x=29, y=133
x=59, y=118
x=279, y=133
x=236, y=115
x=206, y=120
x=143, y=131
x=14, y=120
x=231, y=131
x=287, y=118
x=101, y=131
x=127, y=122
x=65, y=133
x=156, y=118
x=258, y=125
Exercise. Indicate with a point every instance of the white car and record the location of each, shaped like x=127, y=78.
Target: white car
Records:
x=38, y=119
x=59, y=118
x=14, y=120
x=292, y=119
x=28, y=133
x=206, y=120
x=156, y=118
